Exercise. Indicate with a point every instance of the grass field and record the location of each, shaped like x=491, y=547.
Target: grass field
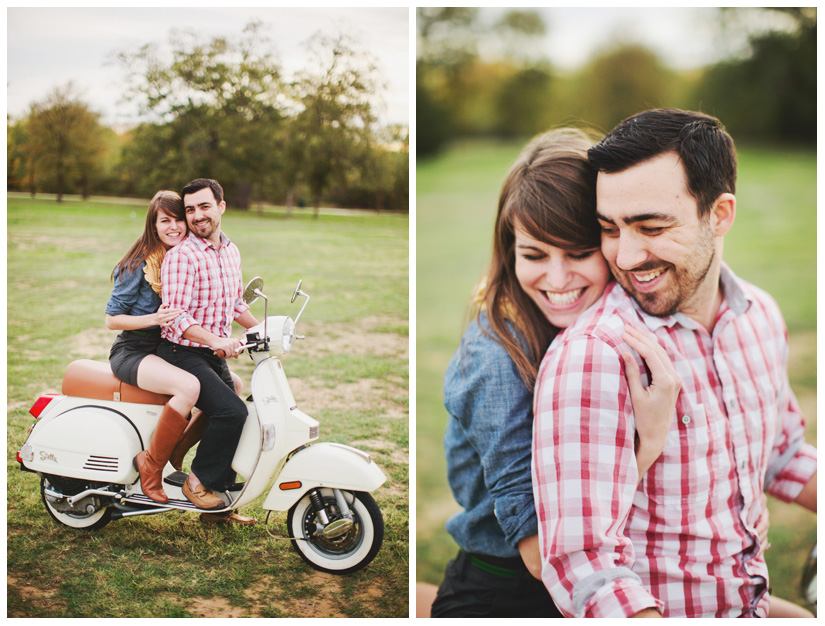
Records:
x=351, y=373
x=772, y=244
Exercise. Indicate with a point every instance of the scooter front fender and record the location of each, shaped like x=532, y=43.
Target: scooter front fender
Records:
x=331, y=465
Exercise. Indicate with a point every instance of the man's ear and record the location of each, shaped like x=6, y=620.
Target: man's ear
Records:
x=222, y=206
x=724, y=212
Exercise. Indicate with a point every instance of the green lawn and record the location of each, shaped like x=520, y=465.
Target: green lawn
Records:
x=351, y=373
x=772, y=244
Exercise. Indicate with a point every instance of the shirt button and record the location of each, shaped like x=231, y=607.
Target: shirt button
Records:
x=686, y=419
x=732, y=403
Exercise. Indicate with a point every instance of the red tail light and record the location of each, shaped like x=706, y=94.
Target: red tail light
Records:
x=42, y=402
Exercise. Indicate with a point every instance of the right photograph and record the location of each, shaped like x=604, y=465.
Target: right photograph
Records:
x=616, y=312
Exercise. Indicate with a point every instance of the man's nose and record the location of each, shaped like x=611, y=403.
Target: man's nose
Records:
x=631, y=251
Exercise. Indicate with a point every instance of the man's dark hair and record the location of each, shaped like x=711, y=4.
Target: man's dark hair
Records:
x=705, y=149
x=202, y=183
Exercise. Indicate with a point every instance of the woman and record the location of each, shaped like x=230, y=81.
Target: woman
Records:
x=546, y=270
x=135, y=308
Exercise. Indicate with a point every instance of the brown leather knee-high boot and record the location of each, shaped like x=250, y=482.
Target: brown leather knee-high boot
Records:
x=150, y=462
x=191, y=436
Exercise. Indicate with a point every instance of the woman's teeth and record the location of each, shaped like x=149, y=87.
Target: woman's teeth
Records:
x=562, y=299
x=646, y=278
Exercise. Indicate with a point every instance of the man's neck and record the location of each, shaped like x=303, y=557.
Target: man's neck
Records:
x=705, y=304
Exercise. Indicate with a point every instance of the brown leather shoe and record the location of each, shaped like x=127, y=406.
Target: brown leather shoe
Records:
x=228, y=518
x=202, y=497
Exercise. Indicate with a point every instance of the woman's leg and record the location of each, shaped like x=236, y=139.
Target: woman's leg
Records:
x=155, y=374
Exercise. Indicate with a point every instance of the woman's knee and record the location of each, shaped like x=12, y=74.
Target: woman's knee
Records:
x=188, y=388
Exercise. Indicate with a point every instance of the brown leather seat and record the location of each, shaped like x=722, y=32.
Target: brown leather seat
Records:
x=93, y=379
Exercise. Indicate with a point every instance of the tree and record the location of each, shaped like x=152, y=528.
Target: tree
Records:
x=216, y=110
x=64, y=142
x=333, y=127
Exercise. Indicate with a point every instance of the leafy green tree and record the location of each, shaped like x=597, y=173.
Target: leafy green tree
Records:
x=64, y=143
x=216, y=111
x=771, y=93
x=336, y=119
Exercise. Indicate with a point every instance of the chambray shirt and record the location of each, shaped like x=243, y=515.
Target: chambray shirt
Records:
x=132, y=294
x=488, y=445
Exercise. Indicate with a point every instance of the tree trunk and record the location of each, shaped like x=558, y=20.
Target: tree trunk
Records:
x=243, y=192
x=290, y=199
x=316, y=206
x=59, y=182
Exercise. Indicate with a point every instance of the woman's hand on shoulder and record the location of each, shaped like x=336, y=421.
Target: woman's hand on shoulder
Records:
x=166, y=315
x=654, y=405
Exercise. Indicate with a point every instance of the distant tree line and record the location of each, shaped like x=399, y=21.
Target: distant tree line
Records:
x=223, y=109
x=768, y=94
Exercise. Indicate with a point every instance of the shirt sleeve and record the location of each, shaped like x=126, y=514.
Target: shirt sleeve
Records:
x=125, y=291
x=585, y=478
x=792, y=462
x=177, y=277
x=496, y=414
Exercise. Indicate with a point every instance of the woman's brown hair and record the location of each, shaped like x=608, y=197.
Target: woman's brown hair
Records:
x=550, y=192
x=167, y=202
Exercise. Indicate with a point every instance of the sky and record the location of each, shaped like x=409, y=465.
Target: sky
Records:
x=48, y=47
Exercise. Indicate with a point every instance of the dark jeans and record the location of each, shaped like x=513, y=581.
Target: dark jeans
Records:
x=224, y=410
x=470, y=591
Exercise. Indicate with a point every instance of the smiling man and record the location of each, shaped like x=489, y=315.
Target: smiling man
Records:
x=684, y=540
x=202, y=278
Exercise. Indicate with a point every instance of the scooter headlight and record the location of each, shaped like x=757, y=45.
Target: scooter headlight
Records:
x=287, y=335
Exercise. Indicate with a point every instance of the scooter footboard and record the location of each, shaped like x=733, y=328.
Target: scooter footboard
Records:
x=324, y=464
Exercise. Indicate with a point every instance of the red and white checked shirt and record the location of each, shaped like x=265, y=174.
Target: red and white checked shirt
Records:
x=205, y=284
x=684, y=541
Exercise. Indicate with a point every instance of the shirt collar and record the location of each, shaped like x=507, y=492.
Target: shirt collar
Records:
x=203, y=244
x=733, y=295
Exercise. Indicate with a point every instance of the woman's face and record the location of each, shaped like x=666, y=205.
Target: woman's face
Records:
x=171, y=231
x=562, y=283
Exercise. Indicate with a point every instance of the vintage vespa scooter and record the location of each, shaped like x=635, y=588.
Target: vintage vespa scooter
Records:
x=83, y=442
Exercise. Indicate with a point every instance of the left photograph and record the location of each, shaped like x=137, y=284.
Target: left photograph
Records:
x=208, y=313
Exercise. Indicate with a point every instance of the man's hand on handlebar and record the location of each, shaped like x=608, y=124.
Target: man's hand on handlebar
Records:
x=228, y=348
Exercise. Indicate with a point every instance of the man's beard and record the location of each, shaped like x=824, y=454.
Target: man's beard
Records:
x=682, y=282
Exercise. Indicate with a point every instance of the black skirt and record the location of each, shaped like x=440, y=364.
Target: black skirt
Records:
x=128, y=350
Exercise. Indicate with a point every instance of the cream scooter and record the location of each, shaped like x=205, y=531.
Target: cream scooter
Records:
x=83, y=442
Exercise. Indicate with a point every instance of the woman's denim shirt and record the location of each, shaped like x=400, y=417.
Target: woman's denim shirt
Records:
x=488, y=444
x=132, y=294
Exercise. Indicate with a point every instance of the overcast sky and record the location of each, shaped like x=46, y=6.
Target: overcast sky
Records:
x=48, y=47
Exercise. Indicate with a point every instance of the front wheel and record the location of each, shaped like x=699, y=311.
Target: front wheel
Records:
x=88, y=514
x=339, y=553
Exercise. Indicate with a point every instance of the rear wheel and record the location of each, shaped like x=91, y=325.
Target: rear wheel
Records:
x=351, y=546
x=87, y=514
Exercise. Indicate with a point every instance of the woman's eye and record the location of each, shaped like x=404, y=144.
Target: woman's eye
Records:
x=580, y=256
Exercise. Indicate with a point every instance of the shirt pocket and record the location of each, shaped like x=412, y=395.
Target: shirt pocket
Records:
x=678, y=484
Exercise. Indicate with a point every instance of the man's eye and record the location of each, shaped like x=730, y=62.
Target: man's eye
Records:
x=609, y=231
x=652, y=230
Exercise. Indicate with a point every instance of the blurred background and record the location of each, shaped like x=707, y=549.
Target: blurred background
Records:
x=285, y=107
x=489, y=79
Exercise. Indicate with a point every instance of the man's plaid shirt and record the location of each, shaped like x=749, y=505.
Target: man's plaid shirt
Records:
x=205, y=284
x=685, y=540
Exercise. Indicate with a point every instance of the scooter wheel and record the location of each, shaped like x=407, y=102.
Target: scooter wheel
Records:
x=344, y=553
x=84, y=521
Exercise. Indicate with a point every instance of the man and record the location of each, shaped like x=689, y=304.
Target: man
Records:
x=684, y=543
x=202, y=277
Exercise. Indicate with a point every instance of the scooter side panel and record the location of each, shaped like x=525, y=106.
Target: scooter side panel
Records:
x=88, y=442
x=324, y=465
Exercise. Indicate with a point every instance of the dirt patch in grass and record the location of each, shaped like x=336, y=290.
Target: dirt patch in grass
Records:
x=365, y=338
x=43, y=598
x=326, y=599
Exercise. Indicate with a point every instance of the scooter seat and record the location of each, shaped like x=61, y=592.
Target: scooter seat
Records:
x=93, y=379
